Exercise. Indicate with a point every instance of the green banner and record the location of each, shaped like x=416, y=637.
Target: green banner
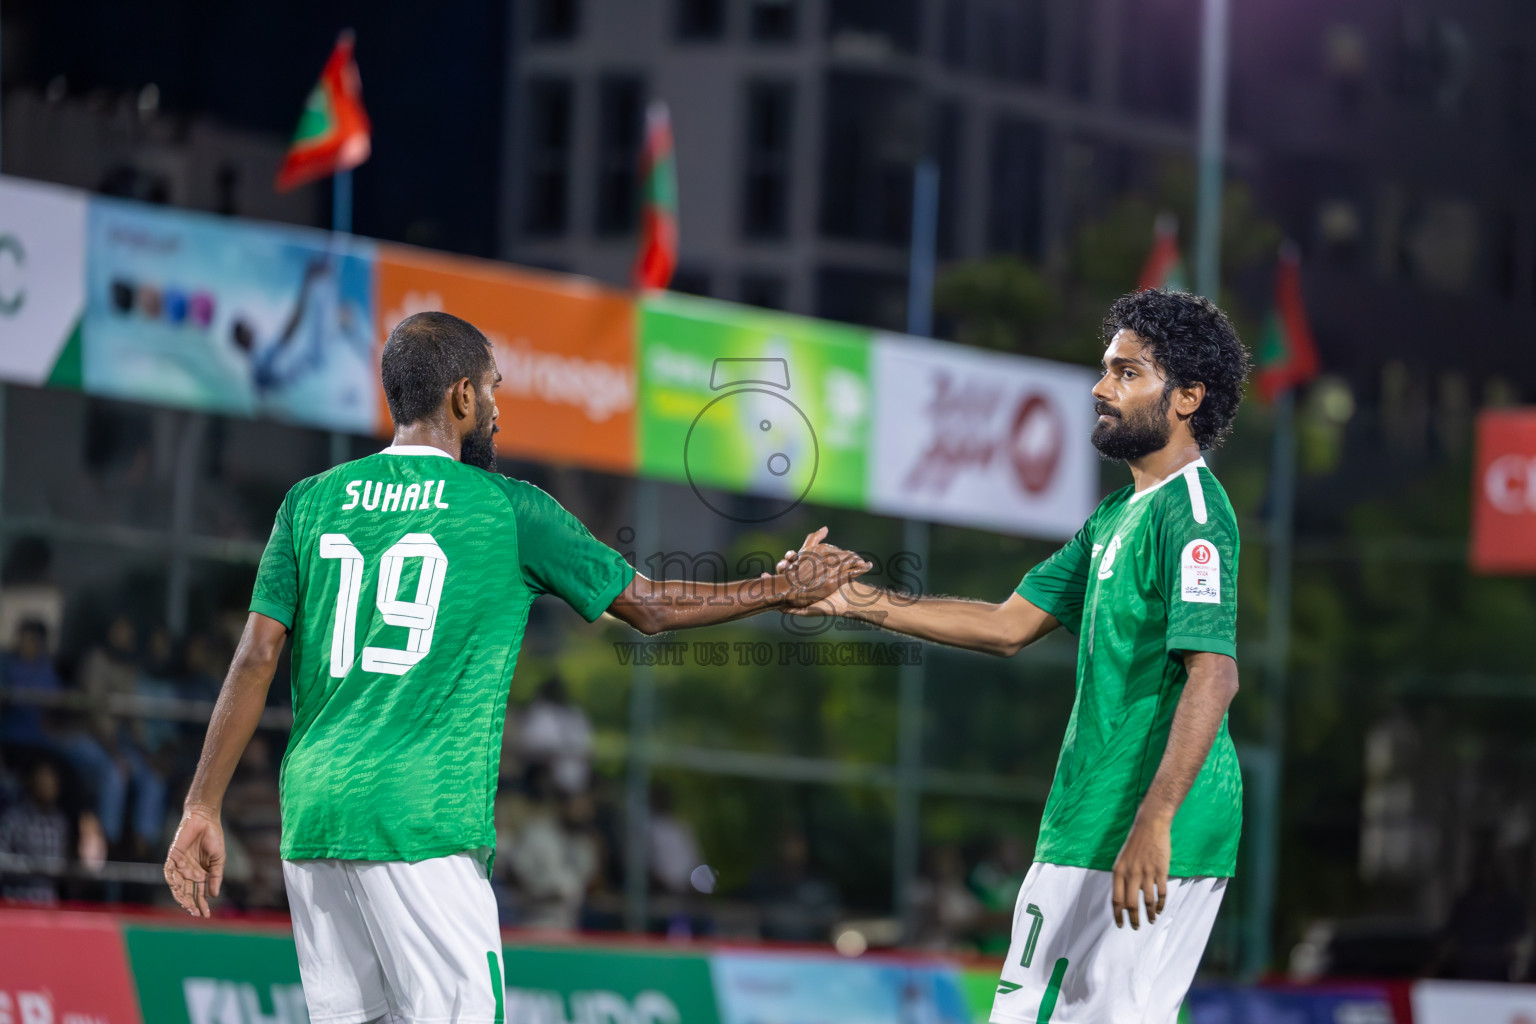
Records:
x=744, y=400
x=597, y=985
x=212, y=976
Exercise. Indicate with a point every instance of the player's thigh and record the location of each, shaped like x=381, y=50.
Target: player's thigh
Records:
x=434, y=924
x=1054, y=931
x=1193, y=904
x=343, y=983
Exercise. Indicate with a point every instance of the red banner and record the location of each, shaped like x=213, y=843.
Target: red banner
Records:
x=1504, y=493
x=59, y=967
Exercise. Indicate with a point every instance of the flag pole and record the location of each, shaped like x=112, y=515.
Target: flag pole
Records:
x=341, y=202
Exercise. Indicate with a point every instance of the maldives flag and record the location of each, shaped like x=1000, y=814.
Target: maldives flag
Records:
x=1287, y=351
x=657, y=258
x=1164, y=267
x=333, y=134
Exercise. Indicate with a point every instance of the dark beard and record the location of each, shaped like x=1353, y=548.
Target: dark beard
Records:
x=479, y=449
x=1133, y=436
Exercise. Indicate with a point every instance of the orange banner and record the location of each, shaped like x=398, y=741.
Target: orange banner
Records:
x=565, y=348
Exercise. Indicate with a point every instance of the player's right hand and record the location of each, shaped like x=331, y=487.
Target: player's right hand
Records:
x=194, y=867
x=819, y=570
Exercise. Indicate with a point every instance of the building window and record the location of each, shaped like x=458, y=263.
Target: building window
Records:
x=764, y=290
x=1017, y=175
x=691, y=281
x=765, y=191
x=556, y=21
x=620, y=132
x=774, y=21
x=872, y=25
x=853, y=295
x=547, y=196
x=873, y=135
x=700, y=20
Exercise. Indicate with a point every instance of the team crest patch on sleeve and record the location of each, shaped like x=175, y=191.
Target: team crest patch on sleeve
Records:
x=1200, y=573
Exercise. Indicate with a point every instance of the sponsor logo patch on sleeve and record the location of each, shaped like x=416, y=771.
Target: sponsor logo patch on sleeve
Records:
x=1200, y=573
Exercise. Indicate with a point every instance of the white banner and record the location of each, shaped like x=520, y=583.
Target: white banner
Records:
x=981, y=439
x=42, y=277
x=1466, y=1002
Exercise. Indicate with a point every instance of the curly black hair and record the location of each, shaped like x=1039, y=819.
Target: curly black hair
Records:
x=1193, y=343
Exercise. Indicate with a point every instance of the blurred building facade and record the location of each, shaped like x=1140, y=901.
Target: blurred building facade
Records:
x=799, y=122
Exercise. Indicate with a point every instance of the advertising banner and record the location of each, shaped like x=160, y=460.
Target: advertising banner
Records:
x=42, y=282
x=1504, y=493
x=59, y=967
x=981, y=438
x=751, y=401
x=1461, y=1002
x=211, y=975
x=798, y=988
x=596, y=985
x=1344, y=1005
x=565, y=347
x=244, y=319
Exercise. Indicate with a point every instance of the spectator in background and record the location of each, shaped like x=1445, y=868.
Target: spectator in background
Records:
x=36, y=829
x=944, y=908
x=996, y=881
x=671, y=849
x=252, y=810
x=798, y=904
x=554, y=732
x=28, y=668
x=1488, y=922
x=109, y=671
x=551, y=865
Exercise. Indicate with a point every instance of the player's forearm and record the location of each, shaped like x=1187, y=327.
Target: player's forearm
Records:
x=974, y=625
x=1207, y=694
x=236, y=714
x=683, y=604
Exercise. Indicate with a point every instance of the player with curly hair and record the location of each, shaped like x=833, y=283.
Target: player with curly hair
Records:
x=1143, y=818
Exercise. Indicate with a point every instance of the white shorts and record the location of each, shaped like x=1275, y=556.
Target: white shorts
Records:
x=1069, y=964
x=413, y=943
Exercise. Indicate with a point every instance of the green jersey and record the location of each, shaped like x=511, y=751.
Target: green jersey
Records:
x=1149, y=577
x=406, y=579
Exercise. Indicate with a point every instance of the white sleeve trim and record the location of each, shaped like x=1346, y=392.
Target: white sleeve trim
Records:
x=1196, y=490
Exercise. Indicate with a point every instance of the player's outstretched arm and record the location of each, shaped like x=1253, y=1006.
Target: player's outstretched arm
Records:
x=1003, y=629
x=1142, y=867
x=194, y=867
x=656, y=606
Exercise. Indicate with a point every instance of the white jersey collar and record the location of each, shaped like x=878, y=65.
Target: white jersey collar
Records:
x=1188, y=467
x=414, y=449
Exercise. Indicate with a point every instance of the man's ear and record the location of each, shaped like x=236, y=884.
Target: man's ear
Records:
x=461, y=399
x=1187, y=400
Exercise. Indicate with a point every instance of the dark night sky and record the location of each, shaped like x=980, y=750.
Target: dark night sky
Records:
x=433, y=81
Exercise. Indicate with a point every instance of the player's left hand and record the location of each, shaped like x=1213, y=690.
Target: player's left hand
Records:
x=194, y=867
x=1141, y=872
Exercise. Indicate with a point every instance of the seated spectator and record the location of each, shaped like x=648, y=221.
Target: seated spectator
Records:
x=996, y=881
x=945, y=911
x=551, y=865
x=798, y=904
x=671, y=848
x=253, y=812
x=554, y=732
x=109, y=671
x=36, y=829
x=28, y=668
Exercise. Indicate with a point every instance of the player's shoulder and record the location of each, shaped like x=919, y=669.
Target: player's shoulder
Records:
x=1194, y=494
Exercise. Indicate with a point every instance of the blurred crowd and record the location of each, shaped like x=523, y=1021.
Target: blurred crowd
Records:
x=97, y=751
